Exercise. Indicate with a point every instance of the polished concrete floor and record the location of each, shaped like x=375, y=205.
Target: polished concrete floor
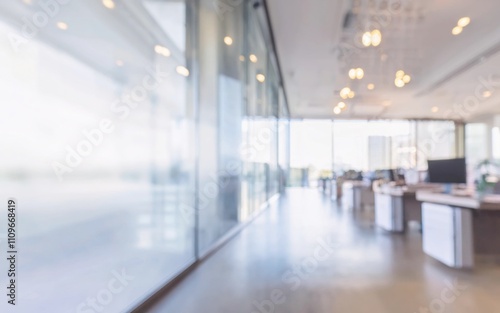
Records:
x=308, y=254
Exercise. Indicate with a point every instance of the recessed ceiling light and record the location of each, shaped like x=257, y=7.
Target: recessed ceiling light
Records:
x=181, y=70
x=342, y=105
x=162, y=50
x=62, y=25
x=373, y=38
x=337, y=110
x=387, y=103
x=352, y=73
x=356, y=73
x=119, y=63
x=228, y=40
x=260, y=78
x=464, y=21
x=384, y=57
x=28, y=1
x=376, y=37
x=486, y=94
x=253, y=58
x=242, y=58
x=110, y=4
x=370, y=86
x=400, y=74
x=399, y=82
x=344, y=93
x=360, y=73
x=351, y=94
x=435, y=109
x=406, y=78
x=366, y=39
x=457, y=30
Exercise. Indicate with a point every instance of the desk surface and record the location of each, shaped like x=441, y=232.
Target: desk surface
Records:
x=467, y=202
x=400, y=191
x=354, y=184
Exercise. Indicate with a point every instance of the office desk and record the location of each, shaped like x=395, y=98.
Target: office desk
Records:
x=356, y=195
x=396, y=206
x=456, y=228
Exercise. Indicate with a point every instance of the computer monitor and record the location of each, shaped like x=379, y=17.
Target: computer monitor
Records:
x=452, y=171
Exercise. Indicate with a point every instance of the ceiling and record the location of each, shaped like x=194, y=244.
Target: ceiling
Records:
x=318, y=41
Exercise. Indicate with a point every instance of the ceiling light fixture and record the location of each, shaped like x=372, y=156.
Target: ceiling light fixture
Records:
x=370, y=86
x=260, y=78
x=181, y=70
x=373, y=38
x=457, y=30
x=110, y=4
x=366, y=39
x=360, y=73
x=62, y=25
x=161, y=50
x=228, y=40
x=376, y=37
x=399, y=82
x=352, y=73
x=486, y=94
x=356, y=73
x=342, y=105
x=242, y=58
x=119, y=63
x=401, y=79
x=344, y=93
x=337, y=110
x=253, y=58
x=464, y=21
x=435, y=109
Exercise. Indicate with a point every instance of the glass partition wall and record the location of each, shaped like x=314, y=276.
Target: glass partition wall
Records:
x=135, y=135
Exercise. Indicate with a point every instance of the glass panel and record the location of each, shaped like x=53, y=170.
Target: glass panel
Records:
x=476, y=147
x=98, y=147
x=222, y=64
x=436, y=140
x=283, y=141
x=258, y=132
x=313, y=156
x=379, y=145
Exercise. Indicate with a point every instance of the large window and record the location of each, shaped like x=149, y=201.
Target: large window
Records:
x=435, y=140
x=97, y=145
x=319, y=147
x=372, y=145
x=124, y=148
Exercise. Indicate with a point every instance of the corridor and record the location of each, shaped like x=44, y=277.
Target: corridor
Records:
x=308, y=254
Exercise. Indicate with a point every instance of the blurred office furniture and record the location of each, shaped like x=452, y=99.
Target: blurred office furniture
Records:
x=356, y=195
x=396, y=206
x=456, y=228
